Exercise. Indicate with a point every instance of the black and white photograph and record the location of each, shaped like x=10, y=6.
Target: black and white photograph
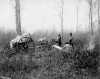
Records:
x=49, y=39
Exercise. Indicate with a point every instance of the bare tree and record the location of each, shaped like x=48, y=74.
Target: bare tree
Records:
x=77, y=19
x=62, y=19
x=94, y=12
x=90, y=15
x=98, y=14
x=77, y=15
x=18, y=21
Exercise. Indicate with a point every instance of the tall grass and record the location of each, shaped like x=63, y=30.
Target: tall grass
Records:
x=5, y=37
x=52, y=64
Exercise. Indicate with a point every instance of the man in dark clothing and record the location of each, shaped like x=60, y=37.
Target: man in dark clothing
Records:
x=71, y=39
x=59, y=40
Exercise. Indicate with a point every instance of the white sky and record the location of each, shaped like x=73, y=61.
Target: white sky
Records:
x=44, y=14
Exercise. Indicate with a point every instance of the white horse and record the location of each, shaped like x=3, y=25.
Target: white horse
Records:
x=66, y=47
x=57, y=47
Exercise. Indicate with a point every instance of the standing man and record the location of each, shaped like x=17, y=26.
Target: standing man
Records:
x=59, y=40
x=71, y=39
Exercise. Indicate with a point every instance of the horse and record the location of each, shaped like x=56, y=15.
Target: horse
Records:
x=65, y=48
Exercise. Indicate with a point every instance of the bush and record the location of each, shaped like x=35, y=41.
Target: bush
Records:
x=86, y=59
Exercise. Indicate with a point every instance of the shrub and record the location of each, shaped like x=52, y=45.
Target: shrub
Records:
x=86, y=59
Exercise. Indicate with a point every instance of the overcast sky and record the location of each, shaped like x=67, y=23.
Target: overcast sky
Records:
x=44, y=14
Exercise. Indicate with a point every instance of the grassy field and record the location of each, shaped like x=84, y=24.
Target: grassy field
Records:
x=50, y=64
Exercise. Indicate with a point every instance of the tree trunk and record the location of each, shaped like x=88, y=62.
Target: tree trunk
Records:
x=18, y=21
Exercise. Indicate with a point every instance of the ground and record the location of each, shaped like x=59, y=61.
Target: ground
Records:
x=50, y=64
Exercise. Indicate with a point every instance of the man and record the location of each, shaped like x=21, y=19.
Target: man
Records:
x=59, y=40
x=70, y=41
